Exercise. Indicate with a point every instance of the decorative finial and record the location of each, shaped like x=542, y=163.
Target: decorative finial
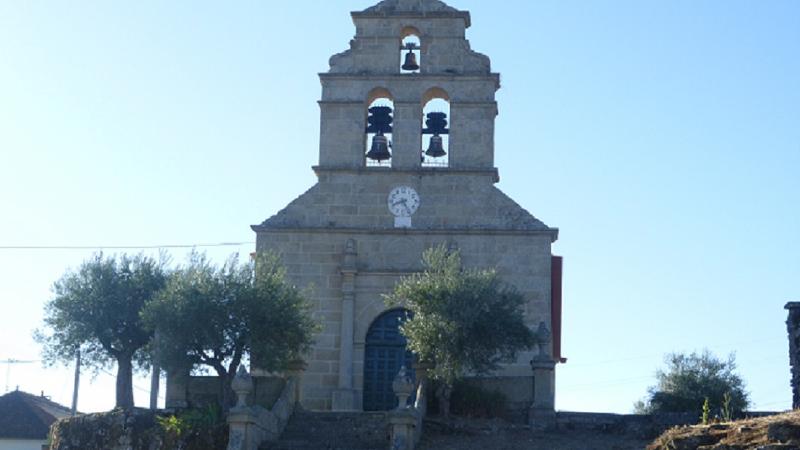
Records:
x=242, y=385
x=403, y=386
x=543, y=339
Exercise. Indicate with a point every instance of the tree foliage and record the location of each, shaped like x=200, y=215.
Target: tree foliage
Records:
x=463, y=320
x=213, y=317
x=97, y=309
x=689, y=380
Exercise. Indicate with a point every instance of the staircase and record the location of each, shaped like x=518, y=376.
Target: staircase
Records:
x=333, y=431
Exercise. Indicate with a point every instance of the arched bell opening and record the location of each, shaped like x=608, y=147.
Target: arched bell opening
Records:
x=380, y=116
x=410, y=51
x=385, y=353
x=435, y=129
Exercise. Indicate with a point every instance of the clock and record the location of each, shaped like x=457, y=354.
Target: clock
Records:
x=403, y=202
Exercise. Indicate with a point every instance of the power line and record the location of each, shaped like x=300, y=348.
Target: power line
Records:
x=135, y=387
x=606, y=383
x=121, y=247
x=661, y=355
x=9, y=362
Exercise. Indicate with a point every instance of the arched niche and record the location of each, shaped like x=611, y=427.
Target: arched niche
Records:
x=435, y=128
x=378, y=127
x=410, y=50
x=385, y=352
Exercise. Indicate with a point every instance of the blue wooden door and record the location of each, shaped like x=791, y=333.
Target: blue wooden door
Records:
x=384, y=354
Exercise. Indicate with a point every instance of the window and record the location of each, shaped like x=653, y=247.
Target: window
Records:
x=436, y=129
x=410, y=51
x=380, y=115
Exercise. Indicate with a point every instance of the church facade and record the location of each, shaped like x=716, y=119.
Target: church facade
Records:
x=406, y=162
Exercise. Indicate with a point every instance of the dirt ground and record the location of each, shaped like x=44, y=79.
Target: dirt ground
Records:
x=521, y=438
x=776, y=431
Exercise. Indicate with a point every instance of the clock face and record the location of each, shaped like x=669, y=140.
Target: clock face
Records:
x=403, y=201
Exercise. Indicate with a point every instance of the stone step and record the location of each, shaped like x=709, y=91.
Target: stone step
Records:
x=333, y=431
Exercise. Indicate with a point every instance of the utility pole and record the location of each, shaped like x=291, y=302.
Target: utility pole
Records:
x=156, y=376
x=154, y=386
x=77, y=382
x=8, y=363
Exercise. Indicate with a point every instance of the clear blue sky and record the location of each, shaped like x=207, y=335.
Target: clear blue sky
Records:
x=662, y=138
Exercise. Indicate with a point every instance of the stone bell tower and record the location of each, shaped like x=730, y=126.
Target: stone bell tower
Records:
x=406, y=162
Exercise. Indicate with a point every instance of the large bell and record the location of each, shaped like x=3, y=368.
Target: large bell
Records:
x=411, y=64
x=436, y=149
x=380, y=149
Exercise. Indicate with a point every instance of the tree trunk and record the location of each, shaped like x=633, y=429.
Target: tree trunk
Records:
x=227, y=396
x=443, y=393
x=124, y=382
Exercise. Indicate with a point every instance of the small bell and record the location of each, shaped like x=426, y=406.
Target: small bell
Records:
x=380, y=149
x=411, y=62
x=436, y=148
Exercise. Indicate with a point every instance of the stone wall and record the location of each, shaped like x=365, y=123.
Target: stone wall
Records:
x=313, y=260
x=137, y=429
x=199, y=391
x=793, y=330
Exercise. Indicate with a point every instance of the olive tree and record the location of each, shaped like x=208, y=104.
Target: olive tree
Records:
x=96, y=309
x=462, y=320
x=211, y=317
x=688, y=380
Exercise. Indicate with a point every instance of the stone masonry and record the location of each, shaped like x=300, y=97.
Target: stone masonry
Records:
x=339, y=238
x=793, y=329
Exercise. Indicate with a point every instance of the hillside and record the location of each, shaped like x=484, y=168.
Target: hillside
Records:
x=776, y=432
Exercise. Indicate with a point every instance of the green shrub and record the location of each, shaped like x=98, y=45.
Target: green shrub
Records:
x=706, y=412
x=471, y=400
x=727, y=413
x=195, y=429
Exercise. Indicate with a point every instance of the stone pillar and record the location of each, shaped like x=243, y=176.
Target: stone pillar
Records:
x=472, y=134
x=342, y=139
x=403, y=420
x=542, y=414
x=344, y=398
x=793, y=329
x=295, y=373
x=244, y=431
x=407, y=135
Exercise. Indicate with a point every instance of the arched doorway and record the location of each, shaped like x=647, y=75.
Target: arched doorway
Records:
x=384, y=354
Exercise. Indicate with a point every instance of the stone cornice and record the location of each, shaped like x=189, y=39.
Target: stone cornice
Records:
x=492, y=104
x=407, y=77
x=551, y=232
x=493, y=173
x=414, y=15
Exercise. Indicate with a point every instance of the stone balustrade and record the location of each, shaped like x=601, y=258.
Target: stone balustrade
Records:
x=251, y=426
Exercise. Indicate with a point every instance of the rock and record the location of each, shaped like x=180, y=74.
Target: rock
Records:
x=783, y=432
x=693, y=442
x=722, y=447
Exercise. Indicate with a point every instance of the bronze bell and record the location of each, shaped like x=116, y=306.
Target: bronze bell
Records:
x=436, y=149
x=411, y=62
x=380, y=149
